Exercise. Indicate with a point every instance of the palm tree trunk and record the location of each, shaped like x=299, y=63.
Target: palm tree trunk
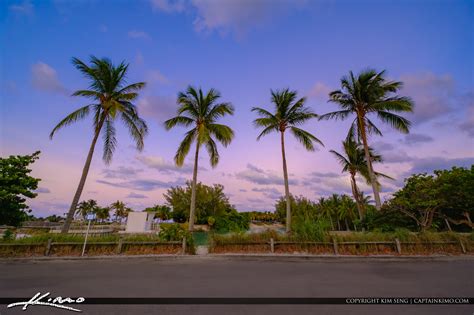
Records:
x=373, y=180
x=192, y=210
x=287, y=189
x=355, y=193
x=82, y=182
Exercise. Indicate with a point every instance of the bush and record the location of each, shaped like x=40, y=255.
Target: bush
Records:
x=232, y=222
x=8, y=235
x=176, y=232
x=305, y=229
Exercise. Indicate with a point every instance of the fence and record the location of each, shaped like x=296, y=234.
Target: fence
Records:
x=115, y=247
x=335, y=247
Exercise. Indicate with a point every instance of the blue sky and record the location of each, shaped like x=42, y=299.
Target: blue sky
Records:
x=243, y=48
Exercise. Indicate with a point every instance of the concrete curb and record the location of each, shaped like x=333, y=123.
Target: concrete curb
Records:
x=273, y=257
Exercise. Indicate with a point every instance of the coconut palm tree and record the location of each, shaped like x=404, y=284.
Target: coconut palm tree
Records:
x=111, y=99
x=370, y=93
x=353, y=161
x=202, y=113
x=120, y=210
x=289, y=112
x=86, y=207
x=102, y=213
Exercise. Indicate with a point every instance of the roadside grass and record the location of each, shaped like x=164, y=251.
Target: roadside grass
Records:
x=355, y=243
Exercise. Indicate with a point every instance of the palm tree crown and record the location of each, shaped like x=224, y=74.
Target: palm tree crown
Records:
x=370, y=93
x=289, y=113
x=201, y=111
x=111, y=98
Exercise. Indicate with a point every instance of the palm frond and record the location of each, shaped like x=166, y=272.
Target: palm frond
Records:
x=212, y=151
x=305, y=138
x=110, y=142
x=79, y=114
x=397, y=122
x=342, y=114
x=224, y=134
x=137, y=128
x=178, y=121
x=267, y=130
x=184, y=147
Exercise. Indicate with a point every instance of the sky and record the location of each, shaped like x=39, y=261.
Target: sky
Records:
x=242, y=48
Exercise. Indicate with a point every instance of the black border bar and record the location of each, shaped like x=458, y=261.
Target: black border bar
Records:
x=260, y=300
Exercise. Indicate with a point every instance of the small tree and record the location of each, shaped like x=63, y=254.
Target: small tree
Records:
x=417, y=200
x=15, y=186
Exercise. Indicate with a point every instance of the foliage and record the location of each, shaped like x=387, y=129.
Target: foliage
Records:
x=266, y=216
x=15, y=186
x=163, y=212
x=232, y=221
x=121, y=210
x=210, y=202
x=299, y=206
x=307, y=229
x=175, y=232
x=8, y=235
x=445, y=194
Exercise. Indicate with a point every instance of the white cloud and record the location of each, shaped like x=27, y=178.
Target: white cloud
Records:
x=164, y=166
x=26, y=8
x=169, y=5
x=45, y=78
x=159, y=107
x=433, y=95
x=229, y=16
x=259, y=176
x=156, y=76
x=320, y=90
x=138, y=34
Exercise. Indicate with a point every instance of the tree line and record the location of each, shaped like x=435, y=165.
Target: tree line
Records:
x=360, y=97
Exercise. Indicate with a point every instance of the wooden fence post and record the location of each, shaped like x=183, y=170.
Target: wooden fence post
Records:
x=119, y=246
x=462, y=246
x=272, y=245
x=48, y=247
x=398, y=245
x=184, y=245
x=334, y=244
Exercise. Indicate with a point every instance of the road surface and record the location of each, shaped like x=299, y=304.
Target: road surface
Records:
x=238, y=277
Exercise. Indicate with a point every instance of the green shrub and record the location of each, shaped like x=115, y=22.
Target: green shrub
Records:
x=232, y=222
x=8, y=235
x=176, y=232
x=306, y=229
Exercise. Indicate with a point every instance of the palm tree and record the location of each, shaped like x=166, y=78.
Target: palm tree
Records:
x=111, y=98
x=353, y=161
x=120, y=210
x=102, y=213
x=370, y=93
x=201, y=112
x=289, y=113
x=86, y=207
x=326, y=211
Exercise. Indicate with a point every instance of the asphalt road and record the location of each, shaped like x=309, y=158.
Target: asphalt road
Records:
x=234, y=277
